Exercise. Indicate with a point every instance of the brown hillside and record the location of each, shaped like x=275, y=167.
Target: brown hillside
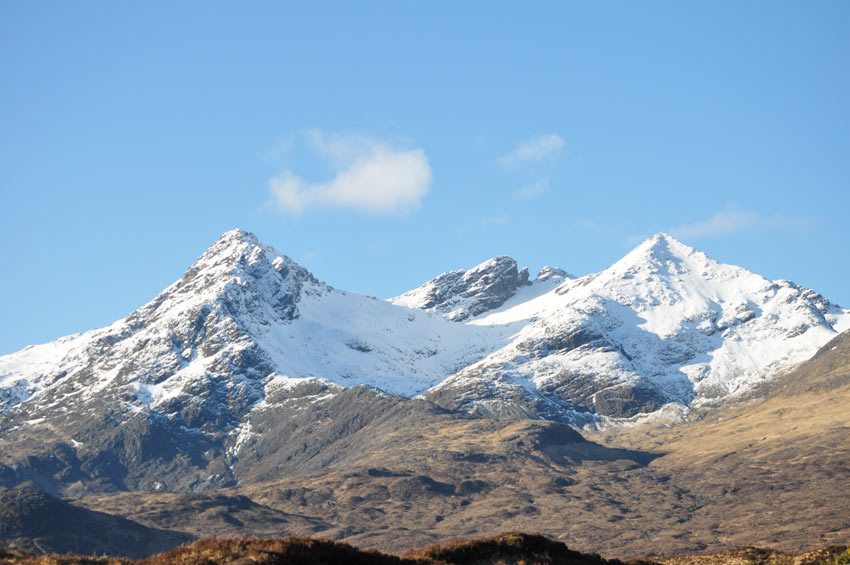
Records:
x=773, y=472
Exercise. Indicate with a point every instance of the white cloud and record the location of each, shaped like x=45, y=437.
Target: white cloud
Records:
x=532, y=190
x=734, y=221
x=371, y=177
x=533, y=149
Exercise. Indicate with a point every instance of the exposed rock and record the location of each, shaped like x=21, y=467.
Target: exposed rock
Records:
x=463, y=294
x=548, y=272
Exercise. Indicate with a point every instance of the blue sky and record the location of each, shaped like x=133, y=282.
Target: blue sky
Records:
x=134, y=134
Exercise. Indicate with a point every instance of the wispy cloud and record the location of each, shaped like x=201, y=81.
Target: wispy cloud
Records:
x=495, y=220
x=371, y=177
x=532, y=190
x=532, y=150
x=734, y=221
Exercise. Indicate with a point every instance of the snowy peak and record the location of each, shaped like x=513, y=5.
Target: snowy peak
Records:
x=663, y=245
x=661, y=255
x=198, y=334
x=664, y=271
x=462, y=294
x=240, y=254
x=242, y=271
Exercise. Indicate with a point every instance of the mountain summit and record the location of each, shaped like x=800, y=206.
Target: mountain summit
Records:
x=185, y=386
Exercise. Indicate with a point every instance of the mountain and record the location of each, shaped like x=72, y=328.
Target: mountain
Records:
x=168, y=396
x=664, y=328
x=222, y=377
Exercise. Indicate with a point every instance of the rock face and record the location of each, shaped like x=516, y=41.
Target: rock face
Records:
x=460, y=294
x=198, y=388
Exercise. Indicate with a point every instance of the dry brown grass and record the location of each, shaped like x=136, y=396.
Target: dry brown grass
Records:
x=290, y=549
x=511, y=547
x=26, y=558
x=772, y=472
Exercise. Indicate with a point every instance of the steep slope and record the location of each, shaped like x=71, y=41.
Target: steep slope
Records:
x=164, y=396
x=664, y=327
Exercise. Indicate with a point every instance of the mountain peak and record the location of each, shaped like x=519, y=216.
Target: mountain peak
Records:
x=461, y=294
x=242, y=254
x=665, y=244
x=237, y=235
x=663, y=254
x=234, y=244
x=239, y=268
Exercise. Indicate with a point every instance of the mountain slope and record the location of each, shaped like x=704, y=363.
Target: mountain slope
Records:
x=665, y=325
x=35, y=521
x=166, y=395
x=198, y=388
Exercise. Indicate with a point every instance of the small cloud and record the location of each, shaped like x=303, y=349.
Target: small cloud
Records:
x=532, y=190
x=531, y=150
x=734, y=221
x=721, y=223
x=371, y=177
x=495, y=220
x=798, y=223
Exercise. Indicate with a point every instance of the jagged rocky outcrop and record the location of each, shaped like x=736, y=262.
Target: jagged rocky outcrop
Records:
x=462, y=294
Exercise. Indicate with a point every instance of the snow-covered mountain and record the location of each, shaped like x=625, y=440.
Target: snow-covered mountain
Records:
x=242, y=319
x=664, y=326
x=247, y=336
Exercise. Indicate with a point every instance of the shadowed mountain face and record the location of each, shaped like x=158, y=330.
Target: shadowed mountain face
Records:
x=34, y=521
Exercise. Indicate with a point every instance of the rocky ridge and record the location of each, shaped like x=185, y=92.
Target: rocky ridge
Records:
x=462, y=294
